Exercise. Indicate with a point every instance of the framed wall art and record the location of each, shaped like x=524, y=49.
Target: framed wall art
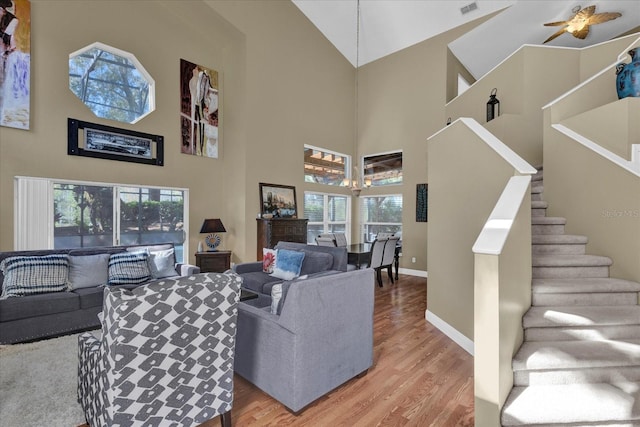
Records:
x=199, y=108
x=106, y=142
x=278, y=201
x=422, y=198
x=15, y=63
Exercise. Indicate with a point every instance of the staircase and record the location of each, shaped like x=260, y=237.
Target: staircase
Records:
x=579, y=364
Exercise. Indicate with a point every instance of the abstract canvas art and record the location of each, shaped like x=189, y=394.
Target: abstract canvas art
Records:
x=422, y=197
x=15, y=63
x=199, y=107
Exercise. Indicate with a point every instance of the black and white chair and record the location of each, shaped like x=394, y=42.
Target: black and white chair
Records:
x=384, y=235
x=166, y=354
x=341, y=240
x=325, y=241
x=377, y=253
x=388, y=256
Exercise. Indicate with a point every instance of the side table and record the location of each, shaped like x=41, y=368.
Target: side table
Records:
x=213, y=261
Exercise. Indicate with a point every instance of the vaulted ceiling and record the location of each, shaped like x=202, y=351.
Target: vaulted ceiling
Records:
x=387, y=26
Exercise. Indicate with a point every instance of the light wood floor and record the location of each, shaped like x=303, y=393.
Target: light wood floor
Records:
x=419, y=376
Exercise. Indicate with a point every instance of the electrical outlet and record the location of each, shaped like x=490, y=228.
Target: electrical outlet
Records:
x=413, y=259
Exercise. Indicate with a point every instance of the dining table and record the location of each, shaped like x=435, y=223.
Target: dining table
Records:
x=359, y=254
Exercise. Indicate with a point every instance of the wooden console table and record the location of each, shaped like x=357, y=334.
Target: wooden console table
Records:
x=214, y=261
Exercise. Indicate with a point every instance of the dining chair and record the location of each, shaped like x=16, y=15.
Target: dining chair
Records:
x=388, y=256
x=325, y=241
x=377, y=252
x=384, y=235
x=341, y=240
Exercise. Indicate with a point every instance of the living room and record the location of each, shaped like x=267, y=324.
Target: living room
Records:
x=283, y=86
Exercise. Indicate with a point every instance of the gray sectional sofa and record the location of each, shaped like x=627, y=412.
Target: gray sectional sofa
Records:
x=316, y=338
x=75, y=308
x=317, y=260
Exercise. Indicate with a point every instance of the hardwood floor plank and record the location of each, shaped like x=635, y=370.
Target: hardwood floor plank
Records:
x=419, y=377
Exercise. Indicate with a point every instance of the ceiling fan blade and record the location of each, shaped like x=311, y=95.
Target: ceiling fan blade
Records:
x=586, y=12
x=556, y=34
x=555, y=24
x=599, y=18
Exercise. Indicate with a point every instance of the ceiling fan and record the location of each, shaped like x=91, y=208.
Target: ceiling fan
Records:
x=579, y=24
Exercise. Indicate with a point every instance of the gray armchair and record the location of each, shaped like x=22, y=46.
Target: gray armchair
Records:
x=166, y=354
x=322, y=337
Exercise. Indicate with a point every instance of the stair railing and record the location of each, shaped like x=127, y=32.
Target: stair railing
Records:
x=502, y=295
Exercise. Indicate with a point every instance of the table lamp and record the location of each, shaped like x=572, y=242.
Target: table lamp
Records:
x=212, y=226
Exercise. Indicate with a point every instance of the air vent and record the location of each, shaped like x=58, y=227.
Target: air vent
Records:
x=469, y=8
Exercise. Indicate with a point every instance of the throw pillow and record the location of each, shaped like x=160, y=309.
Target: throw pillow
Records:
x=280, y=294
x=268, y=260
x=28, y=275
x=87, y=271
x=288, y=264
x=315, y=262
x=129, y=268
x=276, y=295
x=162, y=263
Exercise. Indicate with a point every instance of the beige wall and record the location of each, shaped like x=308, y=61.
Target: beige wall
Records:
x=620, y=131
x=401, y=99
x=598, y=198
x=300, y=90
x=283, y=85
x=466, y=179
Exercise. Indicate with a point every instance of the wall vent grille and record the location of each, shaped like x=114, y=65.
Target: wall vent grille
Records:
x=469, y=8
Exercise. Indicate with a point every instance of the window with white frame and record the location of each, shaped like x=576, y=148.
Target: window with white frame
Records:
x=325, y=167
x=380, y=214
x=85, y=214
x=327, y=213
x=383, y=169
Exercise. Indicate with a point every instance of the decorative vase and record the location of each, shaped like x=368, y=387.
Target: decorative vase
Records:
x=628, y=76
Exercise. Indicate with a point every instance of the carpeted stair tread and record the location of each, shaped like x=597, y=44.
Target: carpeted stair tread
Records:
x=581, y=404
x=558, y=239
x=537, y=188
x=570, y=261
x=590, y=333
x=581, y=316
x=539, y=204
x=548, y=220
x=583, y=285
x=552, y=355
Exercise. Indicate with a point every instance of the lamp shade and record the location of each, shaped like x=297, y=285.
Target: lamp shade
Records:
x=212, y=226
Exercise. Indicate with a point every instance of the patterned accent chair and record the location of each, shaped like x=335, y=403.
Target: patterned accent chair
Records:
x=166, y=355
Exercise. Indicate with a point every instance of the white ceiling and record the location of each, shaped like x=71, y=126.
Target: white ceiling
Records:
x=387, y=26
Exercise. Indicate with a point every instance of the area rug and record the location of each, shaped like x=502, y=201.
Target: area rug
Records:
x=38, y=383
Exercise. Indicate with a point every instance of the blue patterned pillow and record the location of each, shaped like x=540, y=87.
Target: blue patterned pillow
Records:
x=288, y=264
x=129, y=268
x=28, y=275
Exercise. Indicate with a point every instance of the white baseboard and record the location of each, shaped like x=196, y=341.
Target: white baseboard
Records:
x=450, y=331
x=410, y=272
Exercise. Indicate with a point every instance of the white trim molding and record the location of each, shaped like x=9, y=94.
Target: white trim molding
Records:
x=410, y=272
x=450, y=331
